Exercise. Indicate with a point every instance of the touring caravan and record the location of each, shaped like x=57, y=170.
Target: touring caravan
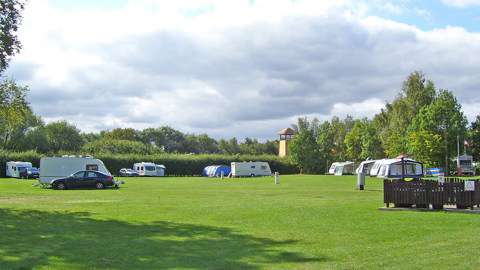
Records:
x=149, y=169
x=251, y=168
x=17, y=169
x=341, y=168
x=396, y=168
x=365, y=167
x=56, y=167
x=376, y=167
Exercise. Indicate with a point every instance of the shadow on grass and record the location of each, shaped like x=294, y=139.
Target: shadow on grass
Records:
x=31, y=239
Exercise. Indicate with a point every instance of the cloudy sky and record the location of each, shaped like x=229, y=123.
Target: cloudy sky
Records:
x=240, y=67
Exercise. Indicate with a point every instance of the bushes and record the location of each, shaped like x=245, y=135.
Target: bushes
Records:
x=183, y=165
x=177, y=164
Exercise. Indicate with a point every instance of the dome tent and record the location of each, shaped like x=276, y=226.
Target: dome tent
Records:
x=216, y=170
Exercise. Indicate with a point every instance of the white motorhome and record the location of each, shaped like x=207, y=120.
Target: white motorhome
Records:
x=16, y=168
x=251, y=168
x=149, y=169
x=365, y=167
x=465, y=165
x=57, y=167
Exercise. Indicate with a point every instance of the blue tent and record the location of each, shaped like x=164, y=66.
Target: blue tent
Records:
x=216, y=170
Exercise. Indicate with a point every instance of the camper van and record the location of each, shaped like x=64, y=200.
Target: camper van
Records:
x=251, y=168
x=57, y=167
x=365, y=167
x=149, y=169
x=341, y=168
x=465, y=165
x=17, y=169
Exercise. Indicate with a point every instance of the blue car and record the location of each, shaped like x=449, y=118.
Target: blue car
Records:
x=33, y=173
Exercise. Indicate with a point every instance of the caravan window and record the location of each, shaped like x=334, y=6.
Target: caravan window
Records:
x=92, y=167
x=253, y=167
x=263, y=167
x=150, y=168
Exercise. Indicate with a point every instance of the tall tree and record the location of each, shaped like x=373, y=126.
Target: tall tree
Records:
x=326, y=144
x=63, y=136
x=439, y=124
x=10, y=18
x=474, y=138
x=416, y=93
x=14, y=110
x=304, y=148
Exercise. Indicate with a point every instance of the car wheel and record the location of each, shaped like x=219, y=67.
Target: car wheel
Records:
x=99, y=185
x=252, y=175
x=60, y=186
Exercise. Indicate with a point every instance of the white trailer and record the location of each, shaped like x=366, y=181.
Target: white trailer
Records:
x=251, y=168
x=57, y=167
x=365, y=167
x=149, y=169
x=342, y=168
x=16, y=168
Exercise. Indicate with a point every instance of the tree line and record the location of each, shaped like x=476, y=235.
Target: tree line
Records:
x=421, y=122
x=22, y=130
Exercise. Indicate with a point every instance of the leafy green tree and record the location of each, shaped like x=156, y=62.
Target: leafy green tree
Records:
x=229, y=146
x=326, y=145
x=417, y=92
x=304, y=148
x=426, y=146
x=15, y=113
x=128, y=134
x=166, y=138
x=114, y=146
x=444, y=119
x=10, y=18
x=474, y=138
x=63, y=136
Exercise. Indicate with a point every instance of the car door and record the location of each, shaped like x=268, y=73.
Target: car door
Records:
x=90, y=179
x=75, y=180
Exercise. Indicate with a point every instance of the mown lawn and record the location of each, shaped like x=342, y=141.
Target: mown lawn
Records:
x=306, y=222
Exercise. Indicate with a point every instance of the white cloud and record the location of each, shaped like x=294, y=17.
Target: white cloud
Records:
x=461, y=3
x=230, y=69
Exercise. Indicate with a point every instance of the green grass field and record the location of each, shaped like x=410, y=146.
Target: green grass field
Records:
x=306, y=222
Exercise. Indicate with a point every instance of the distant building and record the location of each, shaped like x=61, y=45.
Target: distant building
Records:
x=285, y=136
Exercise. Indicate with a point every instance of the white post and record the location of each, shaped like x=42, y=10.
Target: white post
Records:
x=221, y=175
x=277, y=178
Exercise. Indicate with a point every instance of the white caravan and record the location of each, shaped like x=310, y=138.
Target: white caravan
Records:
x=365, y=167
x=376, y=167
x=396, y=168
x=251, y=168
x=15, y=168
x=57, y=167
x=341, y=168
x=149, y=169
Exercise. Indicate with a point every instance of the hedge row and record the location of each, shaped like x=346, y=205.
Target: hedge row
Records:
x=177, y=165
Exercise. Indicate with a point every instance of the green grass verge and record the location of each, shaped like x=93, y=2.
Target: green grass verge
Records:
x=306, y=222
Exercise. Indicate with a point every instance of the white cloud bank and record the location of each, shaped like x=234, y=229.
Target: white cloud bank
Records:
x=461, y=3
x=230, y=68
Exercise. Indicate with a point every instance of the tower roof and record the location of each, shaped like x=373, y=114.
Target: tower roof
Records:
x=286, y=131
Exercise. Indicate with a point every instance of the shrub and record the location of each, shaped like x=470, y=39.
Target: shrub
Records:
x=177, y=164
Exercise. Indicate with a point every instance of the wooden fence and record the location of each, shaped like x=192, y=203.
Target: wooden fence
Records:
x=423, y=193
